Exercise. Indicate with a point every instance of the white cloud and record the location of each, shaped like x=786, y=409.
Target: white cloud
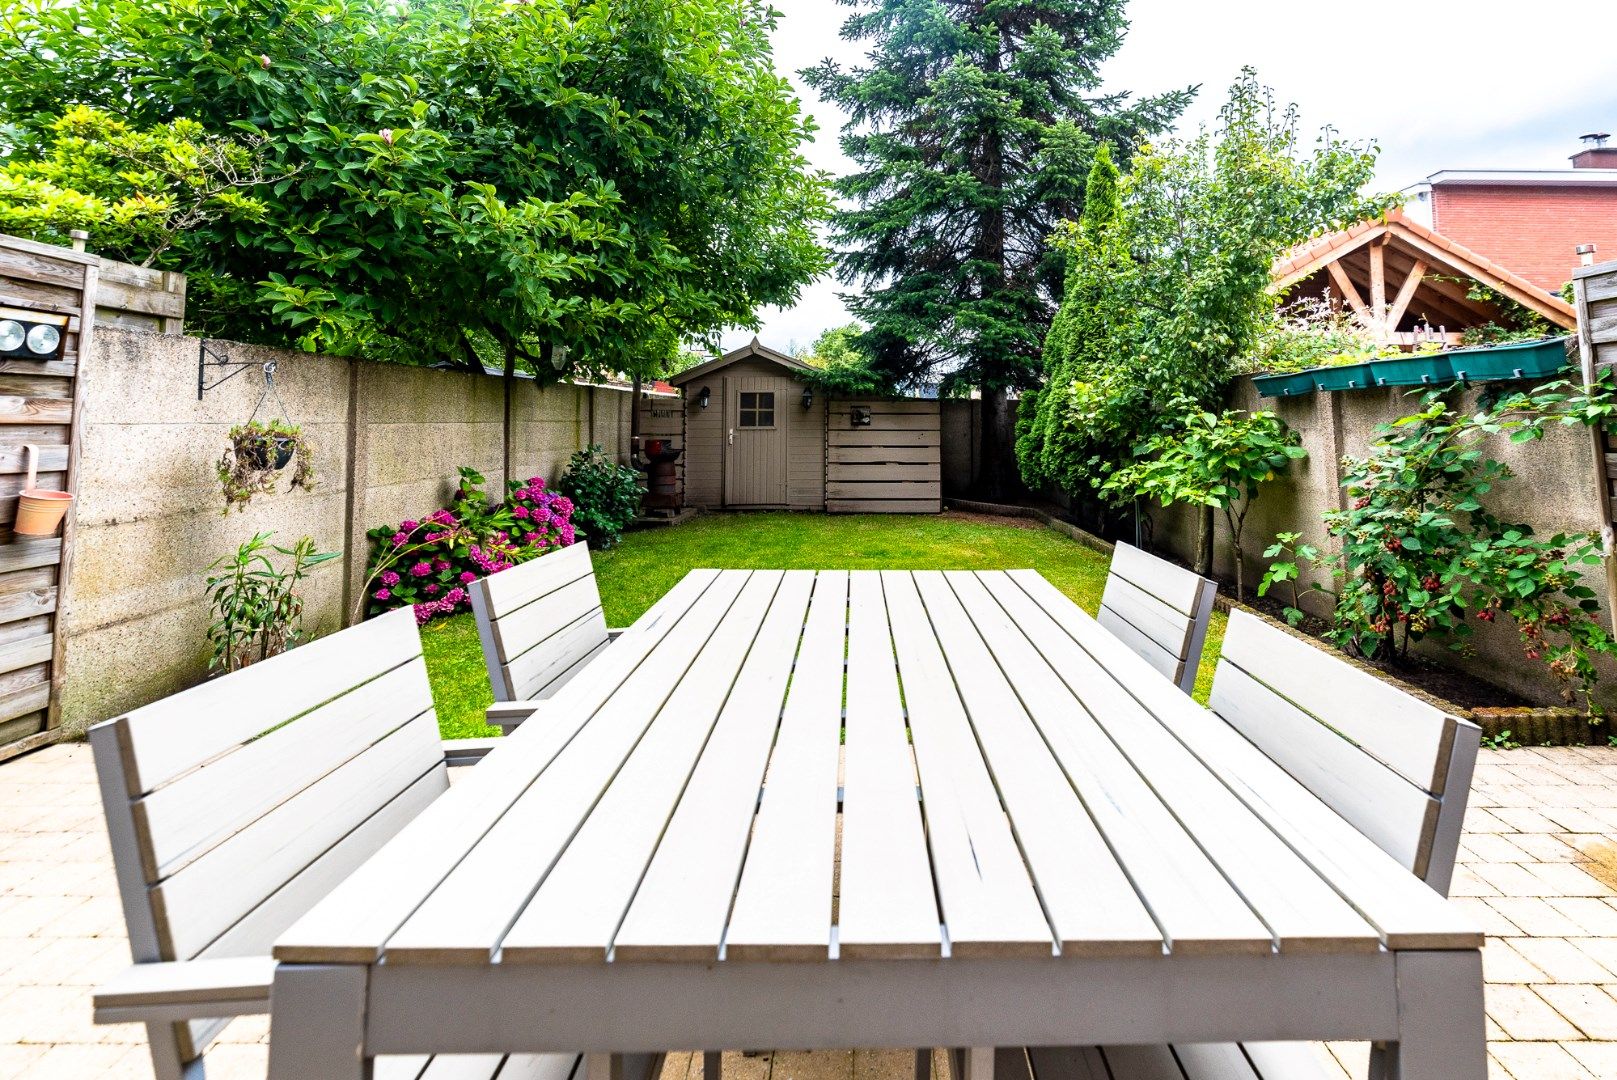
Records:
x=1446, y=84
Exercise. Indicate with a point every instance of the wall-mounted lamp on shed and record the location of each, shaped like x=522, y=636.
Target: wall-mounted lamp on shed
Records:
x=703, y=397
x=859, y=416
x=808, y=397
x=31, y=335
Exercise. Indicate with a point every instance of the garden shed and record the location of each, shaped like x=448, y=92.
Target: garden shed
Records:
x=757, y=433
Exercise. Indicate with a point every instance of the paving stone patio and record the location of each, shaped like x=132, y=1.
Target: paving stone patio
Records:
x=1539, y=866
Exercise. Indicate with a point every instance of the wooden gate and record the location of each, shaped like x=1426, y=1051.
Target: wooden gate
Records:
x=882, y=456
x=39, y=401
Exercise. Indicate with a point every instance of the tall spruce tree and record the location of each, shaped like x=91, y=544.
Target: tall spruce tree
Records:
x=973, y=126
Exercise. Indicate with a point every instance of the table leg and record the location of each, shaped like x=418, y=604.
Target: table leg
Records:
x=980, y=1063
x=1441, y=1035
x=710, y=1065
x=923, y=1064
x=317, y=1027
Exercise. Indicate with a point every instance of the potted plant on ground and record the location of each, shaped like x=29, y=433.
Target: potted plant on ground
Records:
x=257, y=452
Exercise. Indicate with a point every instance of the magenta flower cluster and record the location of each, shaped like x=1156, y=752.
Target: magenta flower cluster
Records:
x=429, y=564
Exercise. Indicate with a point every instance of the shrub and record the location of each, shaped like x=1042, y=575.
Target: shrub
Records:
x=1214, y=461
x=257, y=610
x=429, y=563
x=1420, y=554
x=606, y=495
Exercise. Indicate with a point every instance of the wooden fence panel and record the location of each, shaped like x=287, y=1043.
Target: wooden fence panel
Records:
x=1595, y=298
x=39, y=403
x=888, y=465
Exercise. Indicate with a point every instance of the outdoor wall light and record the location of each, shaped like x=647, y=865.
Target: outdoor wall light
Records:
x=703, y=396
x=808, y=397
x=31, y=335
x=859, y=416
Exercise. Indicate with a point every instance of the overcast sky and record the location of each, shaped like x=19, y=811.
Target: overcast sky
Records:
x=1445, y=84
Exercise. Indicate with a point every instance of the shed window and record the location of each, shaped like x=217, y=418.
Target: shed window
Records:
x=757, y=410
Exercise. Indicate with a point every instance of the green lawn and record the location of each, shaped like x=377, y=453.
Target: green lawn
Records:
x=647, y=564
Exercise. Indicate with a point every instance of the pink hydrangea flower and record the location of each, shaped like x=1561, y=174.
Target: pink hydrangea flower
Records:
x=519, y=512
x=442, y=564
x=399, y=539
x=431, y=590
x=467, y=577
x=421, y=569
x=383, y=594
x=409, y=526
x=455, y=595
x=531, y=538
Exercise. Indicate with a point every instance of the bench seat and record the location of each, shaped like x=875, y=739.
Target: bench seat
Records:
x=540, y=624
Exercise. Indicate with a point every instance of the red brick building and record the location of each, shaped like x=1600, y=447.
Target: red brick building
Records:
x=1531, y=220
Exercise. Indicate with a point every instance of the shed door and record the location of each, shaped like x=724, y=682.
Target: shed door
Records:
x=755, y=420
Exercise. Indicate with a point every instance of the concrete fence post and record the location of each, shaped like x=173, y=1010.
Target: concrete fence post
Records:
x=355, y=518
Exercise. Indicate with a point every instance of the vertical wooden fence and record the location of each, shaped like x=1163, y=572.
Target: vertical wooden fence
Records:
x=1595, y=297
x=39, y=402
x=883, y=457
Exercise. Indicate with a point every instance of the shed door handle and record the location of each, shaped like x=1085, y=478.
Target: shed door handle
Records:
x=732, y=436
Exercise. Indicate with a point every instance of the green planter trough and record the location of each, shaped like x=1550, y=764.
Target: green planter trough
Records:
x=1432, y=369
x=1345, y=377
x=1524, y=360
x=1293, y=385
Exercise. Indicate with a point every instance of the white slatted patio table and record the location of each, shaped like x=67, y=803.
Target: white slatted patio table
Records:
x=1042, y=843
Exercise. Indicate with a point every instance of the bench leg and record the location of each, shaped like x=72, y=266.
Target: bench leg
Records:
x=318, y=1025
x=710, y=1065
x=1441, y=1035
x=923, y=1064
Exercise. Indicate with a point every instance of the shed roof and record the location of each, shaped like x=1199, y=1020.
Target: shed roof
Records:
x=752, y=350
x=1438, y=254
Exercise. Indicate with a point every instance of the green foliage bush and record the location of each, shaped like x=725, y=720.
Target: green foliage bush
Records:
x=1170, y=288
x=1216, y=461
x=605, y=495
x=452, y=180
x=1420, y=554
x=257, y=612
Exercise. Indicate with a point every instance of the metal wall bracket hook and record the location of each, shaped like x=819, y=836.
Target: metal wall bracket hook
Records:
x=211, y=358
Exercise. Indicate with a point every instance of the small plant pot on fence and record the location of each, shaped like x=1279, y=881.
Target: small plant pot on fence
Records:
x=1524, y=360
x=39, y=512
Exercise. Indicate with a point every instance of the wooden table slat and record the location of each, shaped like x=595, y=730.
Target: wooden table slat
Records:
x=1300, y=909
x=354, y=921
x=1194, y=905
x=1094, y=908
x=783, y=901
x=1407, y=913
x=583, y=899
x=989, y=905
x=466, y=917
x=887, y=904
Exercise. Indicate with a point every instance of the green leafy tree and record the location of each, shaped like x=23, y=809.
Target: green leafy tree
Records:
x=973, y=127
x=463, y=180
x=842, y=366
x=1178, y=293
x=1217, y=461
x=136, y=192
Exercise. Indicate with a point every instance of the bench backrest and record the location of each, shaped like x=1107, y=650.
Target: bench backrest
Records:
x=540, y=622
x=234, y=806
x=1159, y=610
x=1397, y=768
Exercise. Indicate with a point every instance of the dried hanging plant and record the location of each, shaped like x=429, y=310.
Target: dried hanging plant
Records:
x=259, y=451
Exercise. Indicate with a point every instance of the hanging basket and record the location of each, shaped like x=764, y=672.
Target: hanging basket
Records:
x=39, y=512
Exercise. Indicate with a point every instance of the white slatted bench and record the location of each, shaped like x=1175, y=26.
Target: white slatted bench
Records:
x=539, y=623
x=235, y=806
x=1397, y=768
x=1159, y=610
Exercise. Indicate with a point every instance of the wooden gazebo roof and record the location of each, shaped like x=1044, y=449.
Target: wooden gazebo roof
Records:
x=1404, y=281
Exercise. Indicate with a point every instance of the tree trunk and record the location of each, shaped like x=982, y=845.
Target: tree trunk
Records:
x=1204, y=541
x=509, y=378
x=634, y=419
x=996, y=474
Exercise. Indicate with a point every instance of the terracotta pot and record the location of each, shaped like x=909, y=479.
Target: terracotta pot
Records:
x=39, y=512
